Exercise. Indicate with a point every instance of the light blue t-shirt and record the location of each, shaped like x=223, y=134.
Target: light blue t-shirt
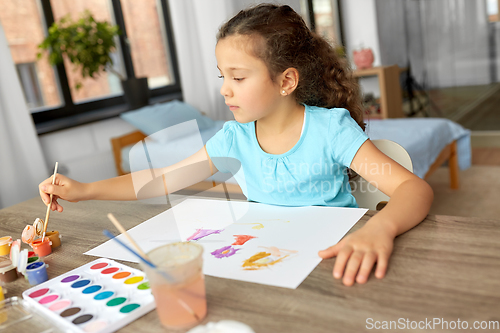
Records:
x=312, y=173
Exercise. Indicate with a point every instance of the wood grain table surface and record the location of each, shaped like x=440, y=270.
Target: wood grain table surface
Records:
x=446, y=268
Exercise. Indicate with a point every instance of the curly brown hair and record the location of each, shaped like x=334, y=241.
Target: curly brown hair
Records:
x=282, y=40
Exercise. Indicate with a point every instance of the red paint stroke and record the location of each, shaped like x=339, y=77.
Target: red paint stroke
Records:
x=200, y=233
x=242, y=239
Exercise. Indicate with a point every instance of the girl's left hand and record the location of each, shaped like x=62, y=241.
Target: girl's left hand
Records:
x=358, y=252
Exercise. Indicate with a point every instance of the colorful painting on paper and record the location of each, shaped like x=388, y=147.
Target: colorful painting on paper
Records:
x=200, y=233
x=266, y=259
x=242, y=239
x=224, y=252
x=257, y=225
x=303, y=231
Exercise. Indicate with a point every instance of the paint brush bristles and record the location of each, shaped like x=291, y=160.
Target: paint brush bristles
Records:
x=49, y=205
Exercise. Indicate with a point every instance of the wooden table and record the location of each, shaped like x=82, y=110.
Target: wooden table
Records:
x=446, y=268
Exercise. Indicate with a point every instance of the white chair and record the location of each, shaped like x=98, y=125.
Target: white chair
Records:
x=366, y=194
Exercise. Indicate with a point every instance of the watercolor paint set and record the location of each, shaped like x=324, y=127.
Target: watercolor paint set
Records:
x=101, y=296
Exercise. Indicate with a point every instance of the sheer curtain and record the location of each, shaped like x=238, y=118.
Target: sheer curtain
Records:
x=195, y=24
x=22, y=165
x=455, y=42
x=446, y=41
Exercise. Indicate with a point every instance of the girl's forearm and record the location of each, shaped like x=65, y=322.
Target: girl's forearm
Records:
x=117, y=188
x=150, y=183
x=408, y=206
x=142, y=184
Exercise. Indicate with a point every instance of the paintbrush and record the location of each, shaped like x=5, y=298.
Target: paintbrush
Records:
x=49, y=205
x=144, y=260
x=124, y=232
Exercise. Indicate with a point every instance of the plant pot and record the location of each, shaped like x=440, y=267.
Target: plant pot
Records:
x=136, y=92
x=363, y=58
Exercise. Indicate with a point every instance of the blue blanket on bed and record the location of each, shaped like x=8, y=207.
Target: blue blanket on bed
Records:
x=423, y=139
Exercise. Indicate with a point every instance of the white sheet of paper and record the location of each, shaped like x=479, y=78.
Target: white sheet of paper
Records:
x=298, y=232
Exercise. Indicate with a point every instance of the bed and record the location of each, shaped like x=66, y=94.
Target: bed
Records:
x=430, y=142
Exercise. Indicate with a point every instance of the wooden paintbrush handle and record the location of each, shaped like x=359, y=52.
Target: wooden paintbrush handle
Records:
x=50, y=204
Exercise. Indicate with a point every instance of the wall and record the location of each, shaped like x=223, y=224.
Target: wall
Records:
x=360, y=26
x=242, y=4
x=360, y=29
x=84, y=153
x=495, y=51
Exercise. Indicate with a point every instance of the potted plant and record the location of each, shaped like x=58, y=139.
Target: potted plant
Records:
x=88, y=45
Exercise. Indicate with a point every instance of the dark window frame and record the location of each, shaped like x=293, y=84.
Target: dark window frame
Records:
x=71, y=114
x=312, y=19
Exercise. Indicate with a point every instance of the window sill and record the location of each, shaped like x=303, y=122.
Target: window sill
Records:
x=96, y=115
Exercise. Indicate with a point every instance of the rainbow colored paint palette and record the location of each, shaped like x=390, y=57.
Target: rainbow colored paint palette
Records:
x=101, y=296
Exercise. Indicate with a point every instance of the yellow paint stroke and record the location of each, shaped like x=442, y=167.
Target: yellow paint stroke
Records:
x=274, y=220
x=258, y=225
x=259, y=261
x=261, y=226
x=275, y=252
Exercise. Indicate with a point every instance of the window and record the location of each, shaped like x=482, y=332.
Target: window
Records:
x=31, y=86
x=150, y=53
x=145, y=49
x=324, y=18
x=326, y=22
x=492, y=9
x=104, y=85
x=23, y=26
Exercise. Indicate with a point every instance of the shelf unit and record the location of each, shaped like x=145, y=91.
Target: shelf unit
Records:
x=391, y=103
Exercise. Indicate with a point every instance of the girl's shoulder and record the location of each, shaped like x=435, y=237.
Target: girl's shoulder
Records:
x=332, y=120
x=222, y=142
x=233, y=130
x=318, y=110
x=337, y=115
x=232, y=126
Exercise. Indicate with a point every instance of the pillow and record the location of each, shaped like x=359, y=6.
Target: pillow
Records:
x=154, y=118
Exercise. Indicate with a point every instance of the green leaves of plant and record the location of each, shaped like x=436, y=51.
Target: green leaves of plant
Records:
x=87, y=43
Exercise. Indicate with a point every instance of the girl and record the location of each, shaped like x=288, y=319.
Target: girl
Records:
x=298, y=128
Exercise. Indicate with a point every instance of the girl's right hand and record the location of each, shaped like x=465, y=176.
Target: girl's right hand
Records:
x=63, y=188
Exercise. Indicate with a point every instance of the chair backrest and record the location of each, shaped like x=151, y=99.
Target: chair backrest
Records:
x=366, y=194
